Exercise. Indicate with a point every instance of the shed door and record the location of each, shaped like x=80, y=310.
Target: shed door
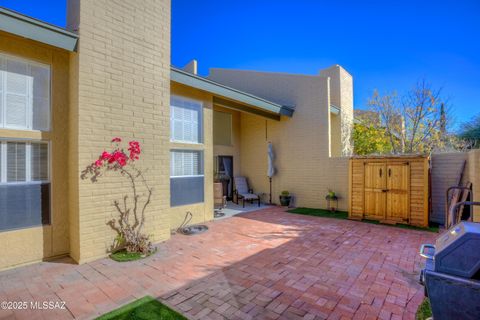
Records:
x=397, y=196
x=375, y=190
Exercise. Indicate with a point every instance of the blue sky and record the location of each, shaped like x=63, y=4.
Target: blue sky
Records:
x=387, y=45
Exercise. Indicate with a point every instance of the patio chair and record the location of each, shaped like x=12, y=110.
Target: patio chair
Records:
x=242, y=191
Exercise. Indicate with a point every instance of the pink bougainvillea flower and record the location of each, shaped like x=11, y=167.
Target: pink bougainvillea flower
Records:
x=120, y=157
x=134, y=148
x=105, y=155
x=111, y=159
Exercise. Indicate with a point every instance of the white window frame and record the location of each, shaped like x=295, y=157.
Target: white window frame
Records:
x=28, y=162
x=29, y=111
x=200, y=164
x=200, y=121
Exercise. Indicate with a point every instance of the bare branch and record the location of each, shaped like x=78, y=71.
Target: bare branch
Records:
x=413, y=122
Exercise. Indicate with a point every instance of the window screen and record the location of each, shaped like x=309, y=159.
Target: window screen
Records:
x=186, y=163
x=24, y=94
x=41, y=98
x=24, y=184
x=24, y=205
x=186, y=177
x=185, y=120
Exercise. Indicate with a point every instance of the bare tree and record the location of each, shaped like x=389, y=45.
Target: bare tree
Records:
x=414, y=121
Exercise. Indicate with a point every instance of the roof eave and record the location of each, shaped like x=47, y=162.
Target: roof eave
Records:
x=219, y=89
x=23, y=26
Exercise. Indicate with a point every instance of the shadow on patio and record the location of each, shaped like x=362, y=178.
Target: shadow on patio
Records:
x=264, y=264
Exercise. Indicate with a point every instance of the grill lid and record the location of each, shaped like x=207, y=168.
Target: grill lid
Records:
x=457, y=251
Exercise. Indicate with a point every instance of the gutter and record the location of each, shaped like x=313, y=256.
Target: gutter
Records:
x=30, y=28
x=195, y=81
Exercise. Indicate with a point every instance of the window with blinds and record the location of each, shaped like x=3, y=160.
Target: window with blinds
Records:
x=16, y=162
x=39, y=161
x=24, y=184
x=186, y=163
x=185, y=120
x=24, y=94
x=186, y=177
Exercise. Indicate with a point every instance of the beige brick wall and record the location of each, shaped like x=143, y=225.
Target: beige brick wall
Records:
x=301, y=143
x=120, y=87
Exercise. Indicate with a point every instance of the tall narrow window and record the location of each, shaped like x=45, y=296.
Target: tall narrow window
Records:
x=24, y=94
x=185, y=120
x=24, y=165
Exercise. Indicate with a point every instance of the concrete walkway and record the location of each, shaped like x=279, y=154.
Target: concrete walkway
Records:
x=266, y=264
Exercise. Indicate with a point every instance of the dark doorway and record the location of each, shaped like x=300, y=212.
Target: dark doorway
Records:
x=225, y=166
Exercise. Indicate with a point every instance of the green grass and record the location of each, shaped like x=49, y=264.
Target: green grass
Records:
x=320, y=213
x=124, y=256
x=146, y=308
x=424, y=311
x=344, y=215
x=403, y=226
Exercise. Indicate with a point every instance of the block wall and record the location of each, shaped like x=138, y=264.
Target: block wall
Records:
x=120, y=81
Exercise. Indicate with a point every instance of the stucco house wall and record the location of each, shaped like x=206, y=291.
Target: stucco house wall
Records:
x=43, y=242
x=303, y=144
x=202, y=211
x=234, y=149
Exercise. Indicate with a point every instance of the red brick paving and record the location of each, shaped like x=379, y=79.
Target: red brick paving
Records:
x=266, y=264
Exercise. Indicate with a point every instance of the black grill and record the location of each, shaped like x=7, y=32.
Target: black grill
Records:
x=452, y=271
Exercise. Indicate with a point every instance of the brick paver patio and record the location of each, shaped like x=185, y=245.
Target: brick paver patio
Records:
x=266, y=264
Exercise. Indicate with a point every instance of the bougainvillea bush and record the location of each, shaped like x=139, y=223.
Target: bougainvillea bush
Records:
x=130, y=222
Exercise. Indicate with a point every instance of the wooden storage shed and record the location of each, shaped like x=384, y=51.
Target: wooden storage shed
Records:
x=390, y=189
